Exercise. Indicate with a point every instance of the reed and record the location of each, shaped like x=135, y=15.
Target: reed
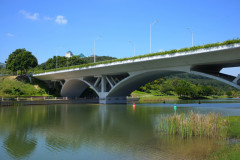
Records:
x=194, y=124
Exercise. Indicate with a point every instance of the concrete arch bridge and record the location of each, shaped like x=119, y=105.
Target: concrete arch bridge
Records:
x=114, y=81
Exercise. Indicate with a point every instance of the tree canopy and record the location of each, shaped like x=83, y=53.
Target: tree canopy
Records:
x=22, y=60
x=62, y=61
x=59, y=62
x=187, y=85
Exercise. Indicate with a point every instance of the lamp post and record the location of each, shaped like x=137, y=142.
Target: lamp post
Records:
x=133, y=47
x=151, y=34
x=192, y=34
x=94, y=56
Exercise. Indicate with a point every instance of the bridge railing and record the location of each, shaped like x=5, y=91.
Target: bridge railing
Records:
x=228, y=43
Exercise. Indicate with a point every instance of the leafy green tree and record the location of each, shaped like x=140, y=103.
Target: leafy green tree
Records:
x=183, y=88
x=229, y=93
x=22, y=60
x=62, y=62
x=207, y=90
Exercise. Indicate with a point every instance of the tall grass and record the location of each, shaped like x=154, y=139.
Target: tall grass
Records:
x=194, y=124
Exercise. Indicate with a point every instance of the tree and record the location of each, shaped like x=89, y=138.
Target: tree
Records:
x=229, y=93
x=22, y=60
x=62, y=62
x=183, y=88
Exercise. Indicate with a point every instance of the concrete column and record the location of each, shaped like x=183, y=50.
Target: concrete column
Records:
x=61, y=83
x=109, y=81
x=97, y=81
x=103, y=84
x=102, y=97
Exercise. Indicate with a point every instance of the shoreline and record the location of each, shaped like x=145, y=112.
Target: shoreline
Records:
x=22, y=103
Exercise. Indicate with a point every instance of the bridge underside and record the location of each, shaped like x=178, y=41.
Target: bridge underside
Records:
x=115, y=88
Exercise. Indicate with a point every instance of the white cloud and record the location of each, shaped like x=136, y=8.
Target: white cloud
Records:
x=10, y=35
x=28, y=15
x=61, y=20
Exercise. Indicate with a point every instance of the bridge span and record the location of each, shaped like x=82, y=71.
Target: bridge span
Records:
x=114, y=81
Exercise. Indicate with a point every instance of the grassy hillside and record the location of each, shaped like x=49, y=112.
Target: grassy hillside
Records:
x=12, y=86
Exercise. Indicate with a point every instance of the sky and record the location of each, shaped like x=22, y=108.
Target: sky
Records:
x=48, y=27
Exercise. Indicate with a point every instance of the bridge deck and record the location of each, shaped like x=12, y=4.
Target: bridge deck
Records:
x=213, y=59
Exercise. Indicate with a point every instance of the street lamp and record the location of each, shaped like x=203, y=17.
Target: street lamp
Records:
x=151, y=34
x=94, y=56
x=133, y=47
x=191, y=33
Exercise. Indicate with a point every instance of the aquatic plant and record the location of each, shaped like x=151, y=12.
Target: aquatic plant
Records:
x=194, y=124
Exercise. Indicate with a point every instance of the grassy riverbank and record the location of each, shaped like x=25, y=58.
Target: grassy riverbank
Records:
x=232, y=151
x=150, y=98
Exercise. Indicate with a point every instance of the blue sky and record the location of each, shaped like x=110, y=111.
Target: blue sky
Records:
x=49, y=27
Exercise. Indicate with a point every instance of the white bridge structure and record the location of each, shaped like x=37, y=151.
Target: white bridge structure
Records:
x=114, y=81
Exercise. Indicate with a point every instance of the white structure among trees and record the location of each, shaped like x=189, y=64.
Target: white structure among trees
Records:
x=69, y=54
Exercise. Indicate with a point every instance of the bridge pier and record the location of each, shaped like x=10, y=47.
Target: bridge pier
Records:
x=112, y=100
x=103, y=94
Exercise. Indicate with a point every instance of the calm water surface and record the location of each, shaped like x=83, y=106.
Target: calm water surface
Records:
x=102, y=131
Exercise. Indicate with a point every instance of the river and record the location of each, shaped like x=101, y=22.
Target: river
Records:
x=80, y=131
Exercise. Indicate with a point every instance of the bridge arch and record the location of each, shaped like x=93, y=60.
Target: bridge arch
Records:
x=136, y=80
x=115, y=88
x=227, y=79
x=74, y=87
